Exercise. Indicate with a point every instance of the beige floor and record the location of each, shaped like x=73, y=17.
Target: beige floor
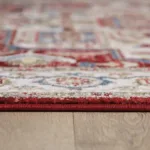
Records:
x=74, y=131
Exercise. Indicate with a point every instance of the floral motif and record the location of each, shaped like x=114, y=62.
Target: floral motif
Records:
x=75, y=81
x=4, y=81
x=143, y=81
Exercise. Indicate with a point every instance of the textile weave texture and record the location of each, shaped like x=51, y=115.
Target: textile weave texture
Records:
x=75, y=56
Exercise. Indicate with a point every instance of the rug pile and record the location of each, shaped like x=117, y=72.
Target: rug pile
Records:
x=79, y=56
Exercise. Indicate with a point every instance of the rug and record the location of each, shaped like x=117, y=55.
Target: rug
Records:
x=75, y=56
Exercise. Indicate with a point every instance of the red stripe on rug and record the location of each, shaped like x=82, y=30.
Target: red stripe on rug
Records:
x=75, y=107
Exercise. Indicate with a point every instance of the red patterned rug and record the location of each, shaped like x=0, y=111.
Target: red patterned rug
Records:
x=79, y=56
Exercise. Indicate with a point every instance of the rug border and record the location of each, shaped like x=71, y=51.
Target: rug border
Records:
x=76, y=107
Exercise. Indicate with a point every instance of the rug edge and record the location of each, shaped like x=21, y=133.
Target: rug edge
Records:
x=76, y=107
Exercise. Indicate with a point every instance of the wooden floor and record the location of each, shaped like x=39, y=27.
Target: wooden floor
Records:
x=74, y=131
